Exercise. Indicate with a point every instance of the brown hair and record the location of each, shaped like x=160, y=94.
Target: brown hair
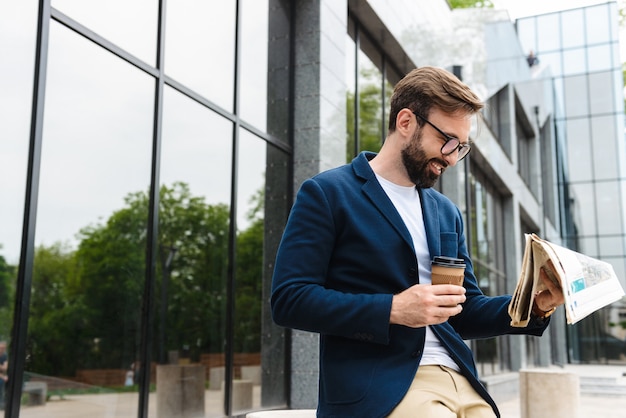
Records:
x=427, y=87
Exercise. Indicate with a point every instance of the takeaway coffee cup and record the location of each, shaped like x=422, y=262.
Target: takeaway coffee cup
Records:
x=448, y=270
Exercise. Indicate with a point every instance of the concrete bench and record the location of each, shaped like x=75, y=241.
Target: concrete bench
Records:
x=37, y=392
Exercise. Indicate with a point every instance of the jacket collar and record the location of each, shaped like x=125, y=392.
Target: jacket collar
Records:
x=372, y=189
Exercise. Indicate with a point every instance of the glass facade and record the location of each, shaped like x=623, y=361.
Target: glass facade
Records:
x=581, y=48
x=155, y=195
x=148, y=161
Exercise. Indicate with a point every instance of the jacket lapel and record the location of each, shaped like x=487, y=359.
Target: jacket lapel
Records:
x=375, y=193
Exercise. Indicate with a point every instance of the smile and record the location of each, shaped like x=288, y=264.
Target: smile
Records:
x=437, y=167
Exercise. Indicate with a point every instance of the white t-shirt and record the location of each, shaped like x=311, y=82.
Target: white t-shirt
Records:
x=406, y=199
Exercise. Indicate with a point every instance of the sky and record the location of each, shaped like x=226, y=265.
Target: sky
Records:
x=518, y=8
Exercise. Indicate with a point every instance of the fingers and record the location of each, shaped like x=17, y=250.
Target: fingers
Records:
x=422, y=305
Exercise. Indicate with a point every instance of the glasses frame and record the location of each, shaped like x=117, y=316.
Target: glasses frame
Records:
x=463, y=149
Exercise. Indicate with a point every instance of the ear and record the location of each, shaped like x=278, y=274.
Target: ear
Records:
x=405, y=122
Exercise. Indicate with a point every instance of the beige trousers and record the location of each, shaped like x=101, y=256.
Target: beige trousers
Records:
x=441, y=392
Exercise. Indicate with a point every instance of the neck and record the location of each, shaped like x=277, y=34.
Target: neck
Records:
x=388, y=163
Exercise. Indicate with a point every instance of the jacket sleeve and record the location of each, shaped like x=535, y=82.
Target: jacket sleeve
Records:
x=301, y=297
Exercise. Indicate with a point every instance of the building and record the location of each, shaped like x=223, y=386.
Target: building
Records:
x=150, y=154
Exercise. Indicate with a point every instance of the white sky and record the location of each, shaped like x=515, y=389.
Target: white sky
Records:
x=525, y=8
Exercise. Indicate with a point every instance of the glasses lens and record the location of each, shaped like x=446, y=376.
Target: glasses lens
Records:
x=450, y=146
x=463, y=151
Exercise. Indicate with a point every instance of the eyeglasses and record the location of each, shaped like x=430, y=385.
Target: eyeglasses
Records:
x=452, y=144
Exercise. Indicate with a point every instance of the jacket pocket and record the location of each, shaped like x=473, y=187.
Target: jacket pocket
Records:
x=449, y=244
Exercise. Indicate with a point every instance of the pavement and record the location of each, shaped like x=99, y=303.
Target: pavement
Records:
x=602, y=395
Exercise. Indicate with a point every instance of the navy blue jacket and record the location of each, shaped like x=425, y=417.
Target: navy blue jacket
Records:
x=344, y=253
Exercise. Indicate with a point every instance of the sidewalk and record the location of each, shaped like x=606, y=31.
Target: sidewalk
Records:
x=602, y=394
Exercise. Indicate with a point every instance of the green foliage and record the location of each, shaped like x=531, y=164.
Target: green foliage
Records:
x=370, y=113
x=7, y=291
x=466, y=4
x=86, y=303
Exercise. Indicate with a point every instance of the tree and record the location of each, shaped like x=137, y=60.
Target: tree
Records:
x=86, y=303
x=466, y=4
x=7, y=290
x=370, y=113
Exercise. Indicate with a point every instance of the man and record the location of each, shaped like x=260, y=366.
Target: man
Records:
x=354, y=266
x=4, y=364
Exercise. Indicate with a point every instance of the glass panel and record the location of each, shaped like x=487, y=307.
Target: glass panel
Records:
x=601, y=104
x=350, y=93
x=611, y=245
x=17, y=42
x=249, y=269
x=618, y=98
x=608, y=201
x=200, y=48
x=370, y=105
x=553, y=60
x=194, y=237
x=134, y=29
x=548, y=32
x=601, y=90
x=253, y=91
x=578, y=150
x=526, y=32
x=599, y=58
x=576, y=96
x=582, y=204
x=598, y=24
x=16, y=84
x=574, y=61
x=486, y=216
x=572, y=21
x=89, y=264
x=604, y=148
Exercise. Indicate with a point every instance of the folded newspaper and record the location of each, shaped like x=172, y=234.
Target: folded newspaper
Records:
x=588, y=284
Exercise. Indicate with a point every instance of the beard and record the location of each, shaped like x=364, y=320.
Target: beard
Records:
x=417, y=164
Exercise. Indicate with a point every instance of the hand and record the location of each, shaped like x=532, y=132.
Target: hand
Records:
x=551, y=296
x=424, y=304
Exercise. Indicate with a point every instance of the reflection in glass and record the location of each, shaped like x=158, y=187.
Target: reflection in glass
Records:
x=599, y=58
x=254, y=42
x=16, y=81
x=574, y=61
x=200, y=48
x=577, y=99
x=134, y=29
x=572, y=21
x=370, y=82
x=89, y=263
x=548, y=28
x=527, y=34
x=486, y=216
x=249, y=268
x=194, y=221
x=350, y=93
x=596, y=28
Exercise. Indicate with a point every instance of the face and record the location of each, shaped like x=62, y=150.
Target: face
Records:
x=422, y=156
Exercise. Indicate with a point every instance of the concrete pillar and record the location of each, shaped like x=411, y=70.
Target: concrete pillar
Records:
x=241, y=395
x=216, y=377
x=549, y=393
x=180, y=391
